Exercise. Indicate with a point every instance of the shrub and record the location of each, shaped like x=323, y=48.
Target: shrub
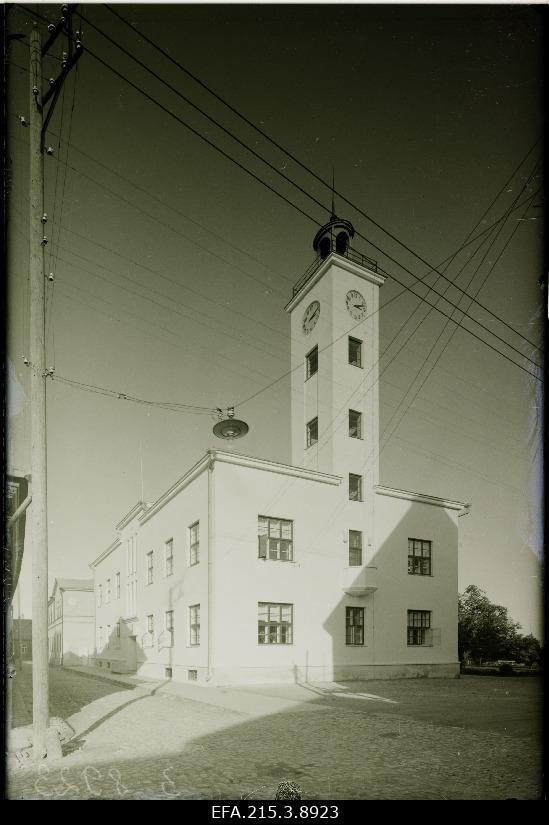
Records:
x=506, y=670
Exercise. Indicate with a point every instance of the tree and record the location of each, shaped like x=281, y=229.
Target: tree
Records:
x=485, y=630
x=528, y=650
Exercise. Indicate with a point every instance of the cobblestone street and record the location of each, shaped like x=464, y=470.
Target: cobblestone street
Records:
x=472, y=738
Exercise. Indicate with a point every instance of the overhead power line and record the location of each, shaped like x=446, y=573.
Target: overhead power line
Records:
x=275, y=169
x=249, y=172
x=241, y=166
x=175, y=406
x=304, y=166
x=293, y=205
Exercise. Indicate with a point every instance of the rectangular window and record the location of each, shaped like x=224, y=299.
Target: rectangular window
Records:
x=355, y=548
x=355, y=424
x=355, y=487
x=419, y=557
x=275, y=538
x=99, y=595
x=355, y=352
x=168, y=620
x=311, y=362
x=108, y=635
x=194, y=543
x=150, y=624
x=117, y=585
x=354, y=625
x=117, y=626
x=150, y=567
x=108, y=591
x=194, y=624
x=99, y=637
x=275, y=623
x=419, y=623
x=168, y=557
x=312, y=432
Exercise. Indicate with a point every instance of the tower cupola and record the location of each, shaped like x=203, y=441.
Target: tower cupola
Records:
x=335, y=236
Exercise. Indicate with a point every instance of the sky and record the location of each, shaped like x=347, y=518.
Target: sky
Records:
x=172, y=265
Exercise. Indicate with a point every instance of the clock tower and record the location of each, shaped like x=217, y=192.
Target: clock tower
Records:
x=334, y=358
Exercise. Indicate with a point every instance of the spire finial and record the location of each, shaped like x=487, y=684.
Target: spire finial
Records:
x=333, y=193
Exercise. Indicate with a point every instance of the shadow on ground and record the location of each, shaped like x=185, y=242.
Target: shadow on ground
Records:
x=439, y=739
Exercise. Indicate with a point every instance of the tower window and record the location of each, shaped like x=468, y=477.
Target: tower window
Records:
x=312, y=432
x=342, y=241
x=355, y=352
x=355, y=424
x=355, y=548
x=311, y=362
x=324, y=248
x=355, y=487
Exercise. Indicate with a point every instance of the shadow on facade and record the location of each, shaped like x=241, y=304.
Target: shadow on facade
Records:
x=394, y=613
x=131, y=644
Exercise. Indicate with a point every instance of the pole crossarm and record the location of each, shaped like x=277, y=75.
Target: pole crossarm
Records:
x=74, y=52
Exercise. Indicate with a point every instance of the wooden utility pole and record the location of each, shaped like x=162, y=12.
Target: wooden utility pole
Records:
x=38, y=509
x=38, y=521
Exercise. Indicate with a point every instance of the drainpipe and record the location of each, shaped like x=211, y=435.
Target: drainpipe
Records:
x=211, y=541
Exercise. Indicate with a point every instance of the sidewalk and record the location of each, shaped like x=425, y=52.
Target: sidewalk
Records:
x=252, y=700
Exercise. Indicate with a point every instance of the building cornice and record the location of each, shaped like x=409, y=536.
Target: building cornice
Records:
x=137, y=508
x=208, y=461
x=273, y=467
x=176, y=488
x=116, y=543
x=422, y=498
x=343, y=263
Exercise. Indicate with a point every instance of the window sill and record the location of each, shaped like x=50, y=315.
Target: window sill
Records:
x=284, y=561
x=308, y=378
x=275, y=644
x=422, y=575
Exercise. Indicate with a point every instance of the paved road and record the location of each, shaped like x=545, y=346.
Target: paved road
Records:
x=69, y=692
x=391, y=740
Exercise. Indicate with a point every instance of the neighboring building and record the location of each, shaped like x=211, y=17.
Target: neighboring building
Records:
x=248, y=570
x=21, y=639
x=71, y=622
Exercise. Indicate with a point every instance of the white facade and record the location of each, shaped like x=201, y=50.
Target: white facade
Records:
x=251, y=571
x=71, y=622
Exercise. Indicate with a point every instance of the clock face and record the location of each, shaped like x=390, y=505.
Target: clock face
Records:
x=356, y=305
x=311, y=317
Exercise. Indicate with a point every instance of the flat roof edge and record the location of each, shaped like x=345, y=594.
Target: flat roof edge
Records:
x=422, y=498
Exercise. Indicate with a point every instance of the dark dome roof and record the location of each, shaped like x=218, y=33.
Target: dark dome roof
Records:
x=333, y=224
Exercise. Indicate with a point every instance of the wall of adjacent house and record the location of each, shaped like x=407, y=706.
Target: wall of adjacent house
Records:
x=78, y=627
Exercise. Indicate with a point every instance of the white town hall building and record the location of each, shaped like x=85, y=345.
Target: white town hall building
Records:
x=247, y=570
